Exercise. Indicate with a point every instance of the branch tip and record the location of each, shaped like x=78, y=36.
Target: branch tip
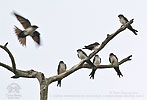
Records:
x=108, y=35
x=129, y=57
x=6, y=44
x=15, y=76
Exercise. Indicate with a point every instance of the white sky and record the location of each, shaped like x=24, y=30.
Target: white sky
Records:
x=65, y=26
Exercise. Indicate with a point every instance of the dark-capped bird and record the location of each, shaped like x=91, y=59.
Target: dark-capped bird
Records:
x=82, y=55
x=96, y=62
x=114, y=61
x=92, y=46
x=61, y=69
x=29, y=30
x=123, y=20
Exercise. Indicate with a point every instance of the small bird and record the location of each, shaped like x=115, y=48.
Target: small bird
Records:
x=29, y=30
x=92, y=46
x=61, y=69
x=114, y=61
x=82, y=55
x=96, y=62
x=123, y=20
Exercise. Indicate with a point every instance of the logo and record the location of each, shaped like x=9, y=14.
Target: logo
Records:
x=13, y=91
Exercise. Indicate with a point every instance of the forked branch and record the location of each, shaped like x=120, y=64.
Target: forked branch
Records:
x=80, y=65
x=44, y=82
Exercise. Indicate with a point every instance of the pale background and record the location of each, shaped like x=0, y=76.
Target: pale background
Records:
x=65, y=26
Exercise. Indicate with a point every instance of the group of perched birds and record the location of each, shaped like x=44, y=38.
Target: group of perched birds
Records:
x=30, y=30
x=96, y=61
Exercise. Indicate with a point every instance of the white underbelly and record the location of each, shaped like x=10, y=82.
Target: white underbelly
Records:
x=29, y=31
x=82, y=56
x=96, y=63
x=114, y=60
x=62, y=69
x=123, y=21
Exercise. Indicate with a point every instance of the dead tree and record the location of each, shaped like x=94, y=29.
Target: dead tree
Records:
x=45, y=82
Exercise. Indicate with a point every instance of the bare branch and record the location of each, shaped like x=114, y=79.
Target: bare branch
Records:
x=109, y=37
x=44, y=82
x=11, y=57
x=26, y=74
x=6, y=66
x=19, y=73
x=80, y=65
x=125, y=59
x=109, y=65
x=65, y=74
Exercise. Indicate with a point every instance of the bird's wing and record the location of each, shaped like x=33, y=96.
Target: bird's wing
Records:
x=65, y=66
x=36, y=37
x=84, y=53
x=93, y=59
x=109, y=59
x=126, y=19
x=100, y=60
x=89, y=46
x=116, y=58
x=21, y=40
x=25, y=22
x=58, y=69
x=118, y=71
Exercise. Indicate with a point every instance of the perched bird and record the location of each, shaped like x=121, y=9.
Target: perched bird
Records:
x=82, y=55
x=96, y=62
x=114, y=61
x=29, y=30
x=61, y=69
x=92, y=46
x=123, y=20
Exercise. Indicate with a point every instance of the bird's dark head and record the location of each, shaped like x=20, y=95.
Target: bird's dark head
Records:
x=96, y=43
x=61, y=62
x=79, y=50
x=35, y=27
x=120, y=15
x=111, y=54
x=96, y=55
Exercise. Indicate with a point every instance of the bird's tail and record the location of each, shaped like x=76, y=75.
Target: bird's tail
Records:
x=118, y=71
x=134, y=31
x=85, y=47
x=59, y=83
x=92, y=74
x=18, y=32
x=90, y=63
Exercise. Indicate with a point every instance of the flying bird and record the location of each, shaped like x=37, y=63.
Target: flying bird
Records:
x=114, y=61
x=82, y=55
x=61, y=69
x=29, y=30
x=123, y=20
x=92, y=46
x=96, y=62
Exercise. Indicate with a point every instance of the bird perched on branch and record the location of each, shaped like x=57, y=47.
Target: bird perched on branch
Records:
x=92, y=46
x=61, y=69
x=123, y=20
x=114, y=61
x=96, y=62
x=82, y=55
x=29, y=30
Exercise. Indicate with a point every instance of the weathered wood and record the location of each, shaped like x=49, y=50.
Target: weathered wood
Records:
x=45, y=82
